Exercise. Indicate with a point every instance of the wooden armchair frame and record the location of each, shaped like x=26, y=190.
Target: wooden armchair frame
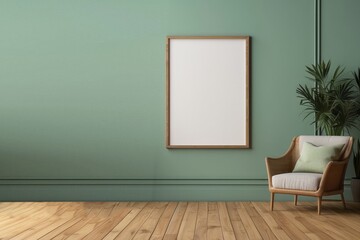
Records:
x=331, y=183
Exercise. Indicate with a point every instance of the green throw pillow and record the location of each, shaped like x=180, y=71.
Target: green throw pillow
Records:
x=314, y=159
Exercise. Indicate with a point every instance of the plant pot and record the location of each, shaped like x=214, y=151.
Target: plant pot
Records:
x=355, y=189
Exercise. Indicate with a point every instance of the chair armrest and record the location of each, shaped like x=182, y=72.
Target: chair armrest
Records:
x=281, y=164
x=277, y=166
x=333, y=176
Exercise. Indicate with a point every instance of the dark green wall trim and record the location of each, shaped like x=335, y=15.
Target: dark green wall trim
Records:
x=250, y=182
x=137, y=182
x=141, y=192
x=317, y=43
x=317, y=33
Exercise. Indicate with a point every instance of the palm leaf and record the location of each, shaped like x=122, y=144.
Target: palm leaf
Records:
x=333, y=100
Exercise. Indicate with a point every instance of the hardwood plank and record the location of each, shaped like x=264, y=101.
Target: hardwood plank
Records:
x=16, y=216
x=174, y=225
x=77, y=213
x=303, y=223
x=69, y=232
x=10, y=205
x=5, y=207
x=333, y=228
x=214, y=226
x=42, y=229
x=22, y=223
x=201, y=222
x=56, y=231
x=264, y=230
x=125, y=221
x=149, y=225
x=349, y=217
x=249, y=225
x=177, y=220
x=227, y=229
x=236, y=222
x=10, y=212
x=130, y=230
x=271, y=222
x=118, y=213
x=291, y=228
x=187, y=227
x=303, y=226
x=93, y=223
x=164, y=221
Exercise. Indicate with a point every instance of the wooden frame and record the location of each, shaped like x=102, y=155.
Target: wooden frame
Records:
x=208, y=92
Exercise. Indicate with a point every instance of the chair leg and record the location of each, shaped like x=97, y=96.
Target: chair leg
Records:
x=272, y=196
x=343, y=200
x=319, y=204
x=295, y=200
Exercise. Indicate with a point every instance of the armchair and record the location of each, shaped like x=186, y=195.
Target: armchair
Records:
x=282, y=180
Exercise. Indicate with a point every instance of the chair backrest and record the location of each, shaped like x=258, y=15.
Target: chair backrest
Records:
x=324, y=141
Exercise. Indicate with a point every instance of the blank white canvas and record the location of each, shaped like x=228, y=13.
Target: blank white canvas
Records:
x=208, y=92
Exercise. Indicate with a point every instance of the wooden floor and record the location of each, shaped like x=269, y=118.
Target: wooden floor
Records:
x=177, y=220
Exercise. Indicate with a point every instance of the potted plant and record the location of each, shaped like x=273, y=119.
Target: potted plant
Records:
x=334, y=101
x=355, y=181
x=331, y=98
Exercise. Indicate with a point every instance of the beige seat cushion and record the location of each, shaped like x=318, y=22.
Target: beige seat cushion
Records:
x=297, y=181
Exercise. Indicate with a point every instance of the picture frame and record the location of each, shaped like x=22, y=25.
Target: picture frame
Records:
x=208, y=92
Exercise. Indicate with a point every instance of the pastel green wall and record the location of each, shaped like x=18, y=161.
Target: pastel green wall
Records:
x=82, y=96
x=340, y=41
x=340, y=35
